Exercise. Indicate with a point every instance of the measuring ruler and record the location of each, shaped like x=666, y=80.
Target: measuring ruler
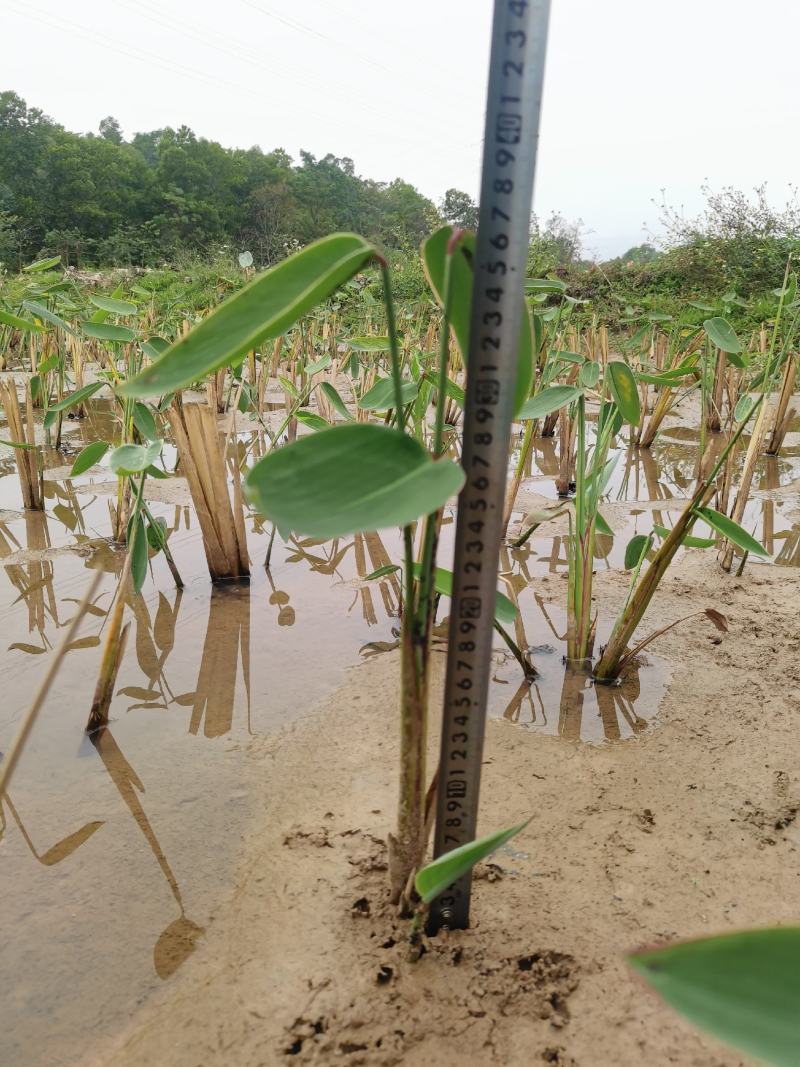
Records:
x=516, y=73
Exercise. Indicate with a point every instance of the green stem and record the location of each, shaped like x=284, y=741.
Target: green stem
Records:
x=394, y=348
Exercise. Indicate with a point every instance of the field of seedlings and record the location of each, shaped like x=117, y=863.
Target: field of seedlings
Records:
x=227, y=537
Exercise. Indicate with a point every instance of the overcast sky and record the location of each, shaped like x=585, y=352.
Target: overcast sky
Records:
x=639, y=95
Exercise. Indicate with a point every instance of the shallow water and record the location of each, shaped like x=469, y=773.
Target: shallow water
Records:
x=115, y=851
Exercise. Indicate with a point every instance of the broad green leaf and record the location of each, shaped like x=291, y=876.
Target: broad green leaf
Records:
x=104, y=331
x=570, y=357
x=434, y=257
x=154, y=347
x=138, y=551
x=638, y=546
x=42, y=264
x=744, y=988
x=311, y=419
x=732, y=531
x=548, y=400
x=17, y=323
x=689, y=540
x=700, y=306
x=381, y=396
x=114, y=306
x=144, y=422
x=46, y=315
x=504, y=610
x=451, y=388
x=266, y=307
x=133, y=459
x=78, y=397
x=434, y=878
x=721, y=333
x=351, y=478
x=545, y=285
x=88, y=456
x=320, y=365
x=336, y=401
x=157, y=533
x=622, y=386
x=744, y=409
x=589, y=375
x=369, y=344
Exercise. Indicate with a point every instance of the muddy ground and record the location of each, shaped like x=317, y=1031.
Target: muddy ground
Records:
x=688, y=829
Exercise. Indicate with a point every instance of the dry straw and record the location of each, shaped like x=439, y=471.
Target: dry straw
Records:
x=22, y=431
x=201, y=455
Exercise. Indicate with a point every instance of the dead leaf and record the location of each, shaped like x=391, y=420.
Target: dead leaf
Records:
x=718, y=619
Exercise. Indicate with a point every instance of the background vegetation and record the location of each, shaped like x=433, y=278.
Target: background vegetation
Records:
x=173, y=200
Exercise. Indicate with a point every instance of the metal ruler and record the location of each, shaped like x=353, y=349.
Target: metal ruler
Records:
x=516, y=73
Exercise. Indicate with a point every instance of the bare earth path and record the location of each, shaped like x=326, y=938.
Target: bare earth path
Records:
x=688, y=830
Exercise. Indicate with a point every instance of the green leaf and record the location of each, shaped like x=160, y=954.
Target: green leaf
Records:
x=88, y=456
x=721, y=333
x=351, y=478
x=636, y=549
x=314, y=368
x=154, y=347
x=548, y=400
x=434, y=878
x=104, y=331
x=311, y=419
x=689, y=540
x=672, y=379
x=42, y=264
x=265, y=307
x=157, y=533
x=732, y=531
x=46, y=315
x=23, y=445
x=369, y=344
x=570, y=357
x=545, y=285
x=17, y=323
x=743, y=987
x=138, y=552
x=602, y=526
x=116, y=307
x=381, y=396
x=451, y=388
x=133, y=459
x=744, y=409
x=382, y=572
x=589, y=375
x=76, y=398
x=434, y=257
x=336, y=401
x=504, y=610
x=144, y=422
x=622, y=386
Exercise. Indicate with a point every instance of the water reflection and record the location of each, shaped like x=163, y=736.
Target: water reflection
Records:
x=227, y=641
x=177, y=941
x=589, y=713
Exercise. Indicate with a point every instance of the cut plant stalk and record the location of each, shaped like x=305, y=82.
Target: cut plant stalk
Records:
x=27, y=454
x=194, y=427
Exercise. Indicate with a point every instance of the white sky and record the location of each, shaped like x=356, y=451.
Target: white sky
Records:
x=639, y=95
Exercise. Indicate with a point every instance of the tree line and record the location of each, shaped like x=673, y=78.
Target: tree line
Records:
x=98, y=199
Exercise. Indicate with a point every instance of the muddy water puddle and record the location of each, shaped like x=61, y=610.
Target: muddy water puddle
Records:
x=116, y=850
